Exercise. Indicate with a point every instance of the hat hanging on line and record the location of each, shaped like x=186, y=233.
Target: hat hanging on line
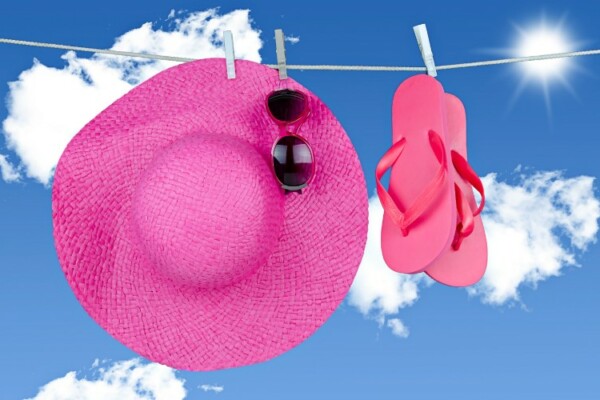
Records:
x=175, y=235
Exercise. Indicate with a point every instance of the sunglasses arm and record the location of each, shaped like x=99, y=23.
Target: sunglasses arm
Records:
x=300, y=123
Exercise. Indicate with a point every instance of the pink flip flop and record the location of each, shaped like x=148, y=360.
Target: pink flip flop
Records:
x=419, y=209
x=463, y=263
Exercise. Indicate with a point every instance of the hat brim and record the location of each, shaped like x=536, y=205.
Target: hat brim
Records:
x=304, y=280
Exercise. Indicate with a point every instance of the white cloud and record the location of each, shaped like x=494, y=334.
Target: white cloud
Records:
x=8, y=172
x=212, y=388
x=398, y=328
x=125, y=380
x=535, y=229
x=377, y=291
x=292, y=39
x=48, y=106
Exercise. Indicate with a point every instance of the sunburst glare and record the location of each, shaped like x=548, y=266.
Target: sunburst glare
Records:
x=541, y=38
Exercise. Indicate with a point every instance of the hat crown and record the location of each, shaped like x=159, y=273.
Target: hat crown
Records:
x=207, y=210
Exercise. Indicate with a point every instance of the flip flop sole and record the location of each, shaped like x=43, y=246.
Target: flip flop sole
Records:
x=467, y=265
x=418, y=108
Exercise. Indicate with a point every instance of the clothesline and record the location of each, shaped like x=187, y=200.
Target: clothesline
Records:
x=309, y=67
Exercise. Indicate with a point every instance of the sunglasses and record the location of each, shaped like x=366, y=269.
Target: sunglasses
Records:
x=293, y=161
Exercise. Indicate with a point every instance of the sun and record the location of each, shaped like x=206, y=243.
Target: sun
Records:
x=541, y=38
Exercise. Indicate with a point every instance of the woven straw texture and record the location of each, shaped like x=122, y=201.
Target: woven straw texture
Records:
x=174, y=236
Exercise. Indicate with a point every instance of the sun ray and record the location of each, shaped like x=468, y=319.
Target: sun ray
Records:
x=560, y=24
x=567, y=85
x=547, y=101
x=517, y=92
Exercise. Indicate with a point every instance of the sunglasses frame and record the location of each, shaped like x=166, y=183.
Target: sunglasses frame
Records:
x=284, y=132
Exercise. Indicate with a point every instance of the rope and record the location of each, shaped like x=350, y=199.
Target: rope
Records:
x=309, y=67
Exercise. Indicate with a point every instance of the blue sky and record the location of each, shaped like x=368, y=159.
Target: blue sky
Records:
x=523, y=335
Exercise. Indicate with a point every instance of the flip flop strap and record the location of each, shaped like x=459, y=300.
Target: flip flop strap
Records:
x=466, y=215
x=466, y=218
x=425, y=199
x=465, y=171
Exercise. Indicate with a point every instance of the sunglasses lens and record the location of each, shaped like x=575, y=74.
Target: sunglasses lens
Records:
x=293, y=162
x=286, y=105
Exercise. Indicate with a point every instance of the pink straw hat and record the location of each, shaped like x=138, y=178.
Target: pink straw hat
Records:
x=175, y=235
